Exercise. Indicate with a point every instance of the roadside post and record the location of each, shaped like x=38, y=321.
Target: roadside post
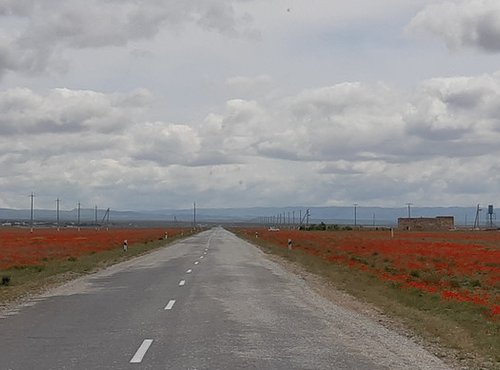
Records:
x=289, y=244
x=125, y=245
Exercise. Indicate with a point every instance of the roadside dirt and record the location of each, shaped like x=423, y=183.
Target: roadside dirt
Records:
x=328, y=290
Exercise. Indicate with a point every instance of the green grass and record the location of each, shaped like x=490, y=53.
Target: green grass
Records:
x=26, y=280
x=460, y=327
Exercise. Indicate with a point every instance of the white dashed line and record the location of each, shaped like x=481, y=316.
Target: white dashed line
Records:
x=139, y=355
x=201, y=257
x=189, y=271
x=197, y=262
x=170, y=304
x=205, y=253
x=182, y=282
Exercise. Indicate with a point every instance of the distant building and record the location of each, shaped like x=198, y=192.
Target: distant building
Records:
x=427, y=223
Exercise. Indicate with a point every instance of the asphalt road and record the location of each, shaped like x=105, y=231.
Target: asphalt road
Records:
x=211, y=301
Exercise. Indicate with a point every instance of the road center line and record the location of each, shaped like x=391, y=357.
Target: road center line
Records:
x=189, y=271
x=170, y=304
x=139, y=355
x=197, y=262
x=201, y=257
x=182, y=282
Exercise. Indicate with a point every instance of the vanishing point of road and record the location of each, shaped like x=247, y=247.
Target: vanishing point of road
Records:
x=210, y=301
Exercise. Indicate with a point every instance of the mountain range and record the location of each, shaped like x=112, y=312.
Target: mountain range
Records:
x=371, y=216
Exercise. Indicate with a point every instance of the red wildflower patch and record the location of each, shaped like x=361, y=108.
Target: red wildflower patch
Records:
x=19, y=247
x=458, y=266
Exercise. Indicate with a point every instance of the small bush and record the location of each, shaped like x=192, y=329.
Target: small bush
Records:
x=454, y=283
x=415, y=273
x=475, y=283
x=5, y=280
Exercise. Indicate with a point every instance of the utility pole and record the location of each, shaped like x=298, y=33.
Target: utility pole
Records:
x=78, y=216
x=57, y=212
x=32, y=196
x=194, y=215
x=477, y=220
x=105, y=219
x=355, y=218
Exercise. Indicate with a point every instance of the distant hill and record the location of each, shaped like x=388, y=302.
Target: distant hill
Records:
x=330, y=215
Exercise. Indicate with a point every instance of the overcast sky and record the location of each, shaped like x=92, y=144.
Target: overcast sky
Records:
x=154, y=104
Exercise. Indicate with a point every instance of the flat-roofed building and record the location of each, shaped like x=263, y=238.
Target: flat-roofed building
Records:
x=427, y=223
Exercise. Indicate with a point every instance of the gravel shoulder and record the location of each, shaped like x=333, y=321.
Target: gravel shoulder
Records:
x=326, y=289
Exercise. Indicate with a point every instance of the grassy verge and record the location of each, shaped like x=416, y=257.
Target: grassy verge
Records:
x=461, y=330
x=32, y=279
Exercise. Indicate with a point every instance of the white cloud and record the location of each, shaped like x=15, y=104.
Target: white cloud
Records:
x=460, y=113
x=370, y=142
x=164, y=143
x=164, y=102
x=64, y=110
x=347, y=120
x=462, y=24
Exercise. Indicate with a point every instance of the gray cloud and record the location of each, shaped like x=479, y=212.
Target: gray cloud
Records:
x=296, y=116
x=16, y=7
x=369, y=143
x=245, y=87
x=349, y=134
x=50, y=28
x=459, y=112
x=466, y=23
x=164, y=143
x=64, y=110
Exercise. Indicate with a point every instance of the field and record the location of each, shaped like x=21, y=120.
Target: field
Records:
x=20, y=248
x=449, y=278
x=30, y=261
x=464, y=267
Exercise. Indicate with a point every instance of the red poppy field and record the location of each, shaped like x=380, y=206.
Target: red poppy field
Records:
x=456, y=266
x=20, y=248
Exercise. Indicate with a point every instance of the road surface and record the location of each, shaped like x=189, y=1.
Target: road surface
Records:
x=211, y=301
